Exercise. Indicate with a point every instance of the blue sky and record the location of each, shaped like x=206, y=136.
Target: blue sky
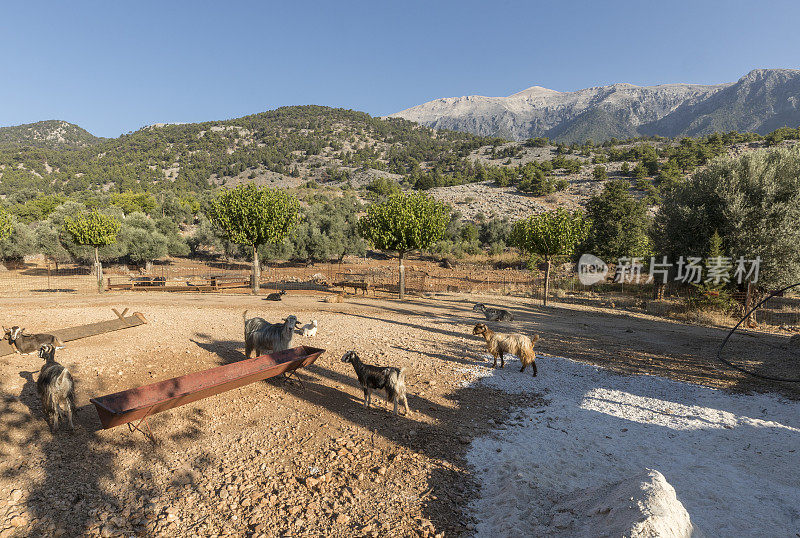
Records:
x=113, y=67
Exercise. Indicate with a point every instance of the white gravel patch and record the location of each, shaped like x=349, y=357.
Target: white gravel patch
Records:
x=733, y=460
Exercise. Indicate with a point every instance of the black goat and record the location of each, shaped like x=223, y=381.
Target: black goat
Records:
x=56, y=389
x=493, y=314
x=276, y=296
x=387, y=378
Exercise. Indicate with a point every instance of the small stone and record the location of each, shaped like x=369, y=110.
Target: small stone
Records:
x=342, y=519
x=381, y=470
x=16, y=495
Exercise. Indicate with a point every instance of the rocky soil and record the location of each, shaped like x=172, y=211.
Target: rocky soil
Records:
x=290, y=458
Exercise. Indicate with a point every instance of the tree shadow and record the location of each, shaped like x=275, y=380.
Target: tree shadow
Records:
x=79, y=482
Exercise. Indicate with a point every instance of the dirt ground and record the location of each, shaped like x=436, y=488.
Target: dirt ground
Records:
x=275, y=458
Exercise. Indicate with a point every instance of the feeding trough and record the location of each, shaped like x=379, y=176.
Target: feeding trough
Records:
x=139, y=403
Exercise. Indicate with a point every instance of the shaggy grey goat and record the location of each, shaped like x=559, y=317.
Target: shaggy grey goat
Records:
x=493, y=314
x=276, y=296
x=56, y=389
x=514, y=344
x=261, y=336
x=387, y=378
x=29, y=343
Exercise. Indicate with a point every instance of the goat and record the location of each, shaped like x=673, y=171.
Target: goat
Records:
x=261, y=336
x=310, y=329
x=29, y=343
x=493, y=314
x=387, y=378
x=514, y=344
x=276, y=296
x=56, y=389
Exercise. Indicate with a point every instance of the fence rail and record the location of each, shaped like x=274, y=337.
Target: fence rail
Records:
x=22, y=279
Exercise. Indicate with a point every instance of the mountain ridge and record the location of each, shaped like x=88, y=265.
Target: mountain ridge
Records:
x=47, y=134
x=760, y=101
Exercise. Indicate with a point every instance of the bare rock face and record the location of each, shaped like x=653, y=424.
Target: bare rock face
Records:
x=761, y=101
x=642, y=506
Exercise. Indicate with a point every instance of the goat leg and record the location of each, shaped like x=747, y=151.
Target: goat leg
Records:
x=52, y=420
x=502, y=360
x=68, y=413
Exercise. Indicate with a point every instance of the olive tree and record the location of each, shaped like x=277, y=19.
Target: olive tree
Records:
x=752, y=201
x=96, y=230
x=405, y=222
x=142, y=241
x=253, y=216
x=550, y=234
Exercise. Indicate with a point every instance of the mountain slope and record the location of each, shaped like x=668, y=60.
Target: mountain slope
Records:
x=312, y=142
x=761, y=101
x=50, y=134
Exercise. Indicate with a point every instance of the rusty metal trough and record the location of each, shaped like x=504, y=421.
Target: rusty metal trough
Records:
x=139, y=403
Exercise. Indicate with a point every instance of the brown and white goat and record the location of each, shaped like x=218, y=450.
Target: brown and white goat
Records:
x=498, y=345
x=29, y=343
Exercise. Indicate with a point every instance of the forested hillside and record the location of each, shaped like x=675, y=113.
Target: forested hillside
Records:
x=160, y=180
x=50, y=134
x=320, y=142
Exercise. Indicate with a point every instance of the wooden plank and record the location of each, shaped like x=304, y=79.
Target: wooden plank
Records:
x=84, y=331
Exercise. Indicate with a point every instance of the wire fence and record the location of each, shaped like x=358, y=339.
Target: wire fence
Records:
x=380, y=277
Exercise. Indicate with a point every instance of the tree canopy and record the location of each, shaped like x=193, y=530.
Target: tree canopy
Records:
x=549, y=234
x=405, y=222
x=249, y=215
x=752, y=201
x=619, y=223
x=93, y=228
x=6, y=224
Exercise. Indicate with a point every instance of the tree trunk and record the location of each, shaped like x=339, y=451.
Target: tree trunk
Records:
x=402, y=279
x=749, y=302
x=256, y=278
x=658, y=291
x=98, y=269
x=546, y=281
